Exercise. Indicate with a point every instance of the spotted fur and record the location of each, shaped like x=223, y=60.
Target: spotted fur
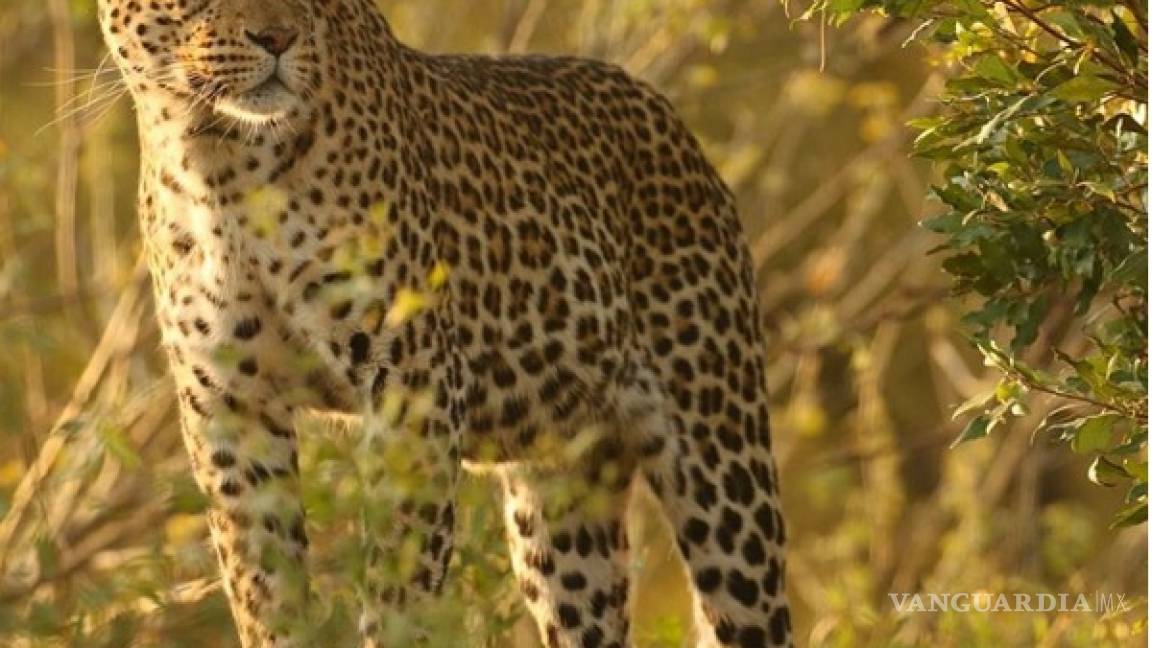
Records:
x=598, y=285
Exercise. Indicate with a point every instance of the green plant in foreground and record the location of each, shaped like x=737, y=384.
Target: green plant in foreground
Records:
x=1042, y=146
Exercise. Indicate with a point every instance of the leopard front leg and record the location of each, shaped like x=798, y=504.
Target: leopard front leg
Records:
x=409, y=467
x=239, y=433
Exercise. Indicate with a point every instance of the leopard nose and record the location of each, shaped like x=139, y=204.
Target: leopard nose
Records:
x=274, y=40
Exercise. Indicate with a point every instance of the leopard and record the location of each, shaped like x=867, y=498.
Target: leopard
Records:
x=533, y=252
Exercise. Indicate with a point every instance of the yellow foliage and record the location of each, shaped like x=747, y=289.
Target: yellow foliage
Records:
x=11, y=473
x=264, y=206
x=408, y=304
x=184, y=528
x=815, y=92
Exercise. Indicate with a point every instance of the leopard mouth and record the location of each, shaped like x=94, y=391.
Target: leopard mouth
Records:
x=270, y=101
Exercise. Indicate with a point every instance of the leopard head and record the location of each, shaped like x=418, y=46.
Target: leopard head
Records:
x=258, y=62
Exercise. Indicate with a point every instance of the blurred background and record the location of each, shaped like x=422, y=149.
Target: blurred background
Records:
x=100, y=538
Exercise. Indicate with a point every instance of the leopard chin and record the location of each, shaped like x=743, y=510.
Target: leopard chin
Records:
x=269, y=103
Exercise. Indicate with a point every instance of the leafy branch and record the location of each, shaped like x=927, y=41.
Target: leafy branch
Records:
x=1042, y=150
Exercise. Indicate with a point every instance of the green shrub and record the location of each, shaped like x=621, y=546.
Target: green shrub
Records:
x=1041, y=146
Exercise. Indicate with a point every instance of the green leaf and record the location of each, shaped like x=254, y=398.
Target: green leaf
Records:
x=1084, y=370
x=843, y=7
x=1094, y=434
x=965, y=265
x=993, y=68
x=977, y=428
x=943, y=224
x=1067, y=21
x=1065, y=163
x=1136, y=469
x=1126, y=41
x=973, y=403
x=957, y=197
x=1101, y=189
x=1083, y=89
x=1138, y=493
x=925, y=123
x=1103, y=472
x=1027, y=322
x=996, y=122
x=1131, y=515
